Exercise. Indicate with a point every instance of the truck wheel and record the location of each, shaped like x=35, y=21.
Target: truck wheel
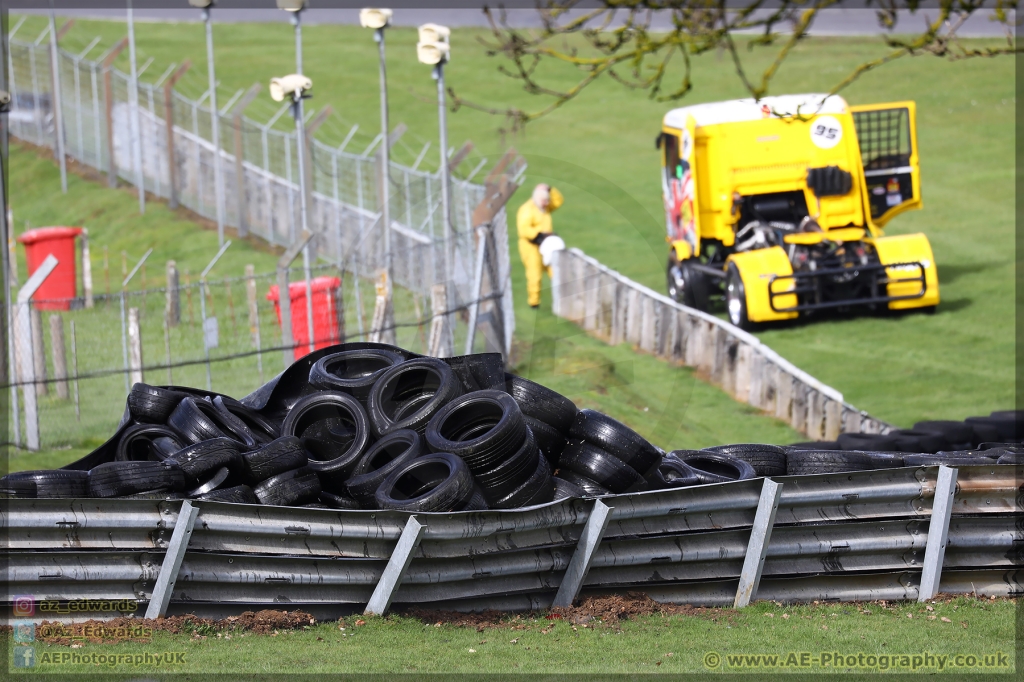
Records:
x=686, y=285
x=736, y=298
x=674, y=280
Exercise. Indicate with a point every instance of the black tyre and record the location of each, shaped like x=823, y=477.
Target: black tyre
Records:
x=866, y=442
x=995, y=445
x=197, y=420
x=336, y=431
x=696, y=288
x=815, y=445
x=115, y=479
x=59, y=483
x=799, y=462
x=476, y=502
x=510, y=473
x=353, y=372
x=537, y=489
x=886, y=460
x=484, y=428
x=602, y=467
x=736, y=298
x=675, y=473
x=291, y=488
x=248, y=426
x=201, y=460
x=566, y=490
x=332, y=501
x=617, y=439
x=541, y=403
x=550, y=441
x=151, y=405
x=910, y=440
x=713, y=467
x=408, y=395
x=214, y=482
x=767, y=460
x=137, y=442
x=241, y=494
x=1011, y=458
x=590, y=487
x=437, y=482
x=957, y=433
x=283, y=454
x=389, y=453
x=1008, y=427
x=164, y=446
x=984, y=433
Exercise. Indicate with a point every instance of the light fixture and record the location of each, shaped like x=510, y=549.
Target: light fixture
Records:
x=372, y=17
x=201, y=4
x=433, y=47
x=289, y=86
x=434, y=33
x=291, y=5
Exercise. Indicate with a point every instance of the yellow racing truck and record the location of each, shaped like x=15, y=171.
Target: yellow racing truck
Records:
x=777, y=206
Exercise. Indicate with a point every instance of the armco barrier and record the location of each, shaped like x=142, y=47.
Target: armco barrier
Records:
x=849, y=536
x=617, y=310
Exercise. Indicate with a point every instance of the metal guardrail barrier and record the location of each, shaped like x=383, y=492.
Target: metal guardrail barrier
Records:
x=850, y=536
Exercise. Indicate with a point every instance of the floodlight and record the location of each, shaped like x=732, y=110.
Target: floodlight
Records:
x=201, y=4
x=434, y=33
x=291, y=5
x=372, y=17
x=289, y=86
x=433, y=52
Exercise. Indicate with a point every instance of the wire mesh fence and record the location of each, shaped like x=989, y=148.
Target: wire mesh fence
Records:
x=259, y=167
x=223, y=335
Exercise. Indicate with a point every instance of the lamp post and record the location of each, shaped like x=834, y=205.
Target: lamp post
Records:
x=295, y=7
x=434, y=49
x=296, y=88
x=218, y=177
x=379, y=19
x=135, y=126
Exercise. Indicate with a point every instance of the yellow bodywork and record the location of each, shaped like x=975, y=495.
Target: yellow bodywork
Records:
x=909, y=248
x=756, y=270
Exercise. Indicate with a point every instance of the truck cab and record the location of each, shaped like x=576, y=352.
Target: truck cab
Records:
x=777, y=206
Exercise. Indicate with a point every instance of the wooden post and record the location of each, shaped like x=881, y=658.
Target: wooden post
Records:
x=382, y=330
x=86, y=269
x=74, y=370
x=167, y=352
x=172, y=310
x=106, y=269
x=38, y=351
x=134, y=348
x=438, y=346
x=108, y=107
x=339, y=305
x=60, y=361
x=172, y=165
x=236, y=125
x=250, y=298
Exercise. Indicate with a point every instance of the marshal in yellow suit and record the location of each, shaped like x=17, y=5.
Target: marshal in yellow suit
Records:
x=533, y=220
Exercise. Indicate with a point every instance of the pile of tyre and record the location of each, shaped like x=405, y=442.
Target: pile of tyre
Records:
x=371, y=426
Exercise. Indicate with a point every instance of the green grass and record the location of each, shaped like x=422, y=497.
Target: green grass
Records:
x=648, y=644
x=599, y=150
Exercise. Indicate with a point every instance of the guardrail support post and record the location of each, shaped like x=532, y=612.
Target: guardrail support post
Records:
x=757, y=546
x=391, y=579
x=938, y=529
x=579, y=565
x=172, y=560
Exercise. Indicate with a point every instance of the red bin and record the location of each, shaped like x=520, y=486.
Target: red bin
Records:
x=61, y=286
x=325, y=313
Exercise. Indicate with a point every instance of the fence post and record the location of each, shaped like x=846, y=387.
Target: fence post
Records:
x=172, y=164
x=938, y=531
x=24, y=346
x=38, y=352
x=438, y=345
x=382, y=330
x=250, y=298
x=236, y=124
x=74, y=369
x=108, y=110
x=757, y=546
x=284, y=295
x=579, y=565
x=86, y=269
x=60, y=361
x=134, y=348
x=172, y=311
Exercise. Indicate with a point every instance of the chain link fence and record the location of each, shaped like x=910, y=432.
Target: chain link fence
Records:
x=259, y=167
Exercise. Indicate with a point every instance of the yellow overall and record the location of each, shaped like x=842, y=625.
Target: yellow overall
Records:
x=531, y=221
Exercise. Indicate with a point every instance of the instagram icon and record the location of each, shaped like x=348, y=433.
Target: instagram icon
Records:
x=24, y=605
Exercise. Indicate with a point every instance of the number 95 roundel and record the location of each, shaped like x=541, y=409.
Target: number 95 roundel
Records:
x=826, y=132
